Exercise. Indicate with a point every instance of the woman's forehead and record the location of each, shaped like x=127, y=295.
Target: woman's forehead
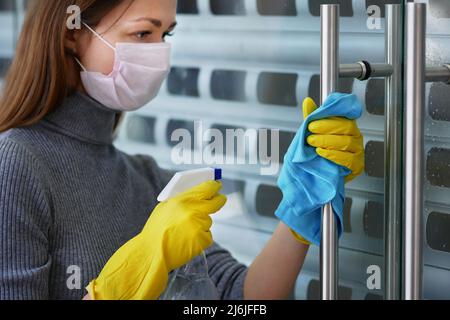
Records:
x=161, y=10
x=161, y=13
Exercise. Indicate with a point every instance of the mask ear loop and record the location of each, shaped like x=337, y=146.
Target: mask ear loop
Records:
x=98, y=36
x=80, y=64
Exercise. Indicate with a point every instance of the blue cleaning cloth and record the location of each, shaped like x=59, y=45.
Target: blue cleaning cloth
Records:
x=308, y=181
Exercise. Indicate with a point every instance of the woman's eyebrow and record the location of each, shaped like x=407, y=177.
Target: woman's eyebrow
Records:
x=156, y=22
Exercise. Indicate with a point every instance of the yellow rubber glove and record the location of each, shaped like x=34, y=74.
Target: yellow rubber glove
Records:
x=299, y=238
x=336, y=139
x=177, y=231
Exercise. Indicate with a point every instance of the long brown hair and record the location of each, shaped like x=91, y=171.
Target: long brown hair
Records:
x=39, y=76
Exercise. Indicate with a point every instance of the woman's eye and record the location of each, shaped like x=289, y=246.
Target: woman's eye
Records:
x=168, y=34
x=143, y=34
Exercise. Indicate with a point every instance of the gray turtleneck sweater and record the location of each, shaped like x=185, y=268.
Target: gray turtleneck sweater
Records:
x=69, y=199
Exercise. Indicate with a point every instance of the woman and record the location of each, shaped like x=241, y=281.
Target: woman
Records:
x=70, y=202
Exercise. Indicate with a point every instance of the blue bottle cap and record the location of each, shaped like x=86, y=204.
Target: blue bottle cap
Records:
x=217, y=174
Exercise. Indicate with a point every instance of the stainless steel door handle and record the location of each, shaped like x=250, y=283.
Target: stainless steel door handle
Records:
x=329, y=75
x=416, y=76
x=392, y=70
x=393, y=141
x=411, y=174
x=414, y=148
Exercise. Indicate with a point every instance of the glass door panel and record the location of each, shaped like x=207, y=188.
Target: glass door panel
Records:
x=436, y=218
x=247, y=64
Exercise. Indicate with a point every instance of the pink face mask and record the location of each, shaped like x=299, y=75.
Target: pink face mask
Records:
x=138, y=73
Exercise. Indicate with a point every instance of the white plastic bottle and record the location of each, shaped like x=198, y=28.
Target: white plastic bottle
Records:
x=183, y=181
x=191, y=281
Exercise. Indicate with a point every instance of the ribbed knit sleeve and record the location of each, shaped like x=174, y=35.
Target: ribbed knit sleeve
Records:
x=25, y=222
x=226, y=272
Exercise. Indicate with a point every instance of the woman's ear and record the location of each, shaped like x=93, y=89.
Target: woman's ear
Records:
x=70, y=42
x=73, y=41
x=71, y=47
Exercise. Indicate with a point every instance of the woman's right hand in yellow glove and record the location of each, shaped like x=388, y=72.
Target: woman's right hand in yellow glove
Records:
x=177, y=231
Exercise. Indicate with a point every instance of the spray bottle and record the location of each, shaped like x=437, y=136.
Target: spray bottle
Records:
x=191, y=281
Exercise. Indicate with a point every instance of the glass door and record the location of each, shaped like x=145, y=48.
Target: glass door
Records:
x=436, y=215
x=246, y=65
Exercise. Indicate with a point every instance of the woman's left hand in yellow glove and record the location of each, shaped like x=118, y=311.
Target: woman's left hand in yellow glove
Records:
x=336, y=139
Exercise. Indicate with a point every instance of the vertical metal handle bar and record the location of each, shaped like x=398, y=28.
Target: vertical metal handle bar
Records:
x=393, y=152
x=329, y=74
x=414, y=148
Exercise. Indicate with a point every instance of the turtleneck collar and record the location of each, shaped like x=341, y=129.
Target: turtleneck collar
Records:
x=81, y=117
